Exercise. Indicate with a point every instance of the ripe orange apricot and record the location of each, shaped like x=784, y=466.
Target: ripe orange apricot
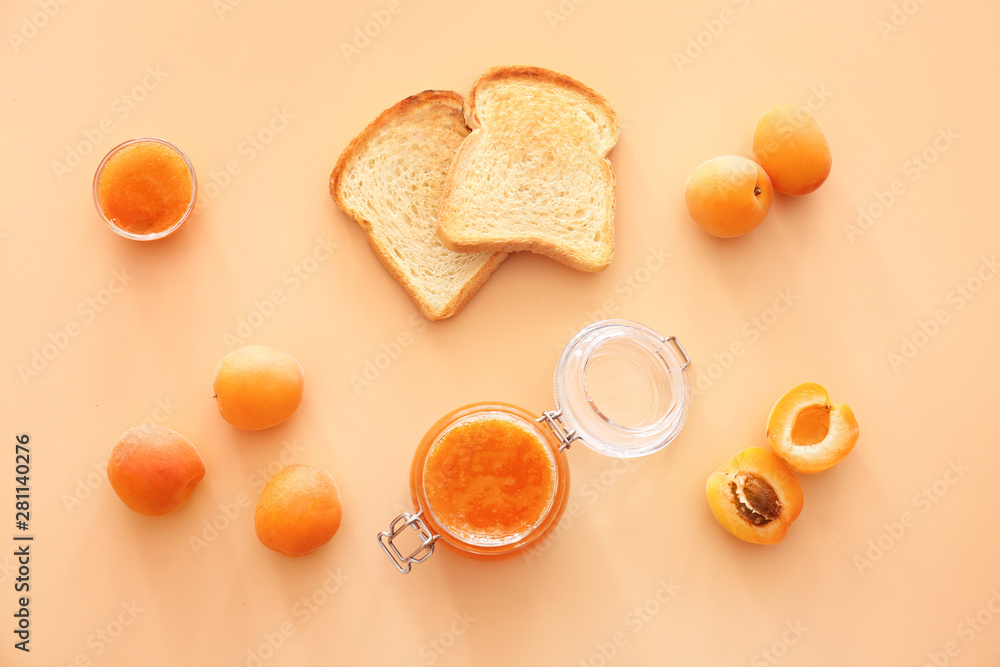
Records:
x=755, y=496
x=299, y=510
x=154, y=469
x=791, y=147
x=728, y=195
x=258, y=386
x=808, y=432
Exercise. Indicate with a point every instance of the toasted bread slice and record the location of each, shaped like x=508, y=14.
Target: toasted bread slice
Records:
x=389, y=179
x=534, y=174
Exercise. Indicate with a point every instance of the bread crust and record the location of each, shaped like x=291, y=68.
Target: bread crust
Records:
x=590, y=259
x=406, y=107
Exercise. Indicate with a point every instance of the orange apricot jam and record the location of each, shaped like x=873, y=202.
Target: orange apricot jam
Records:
x=145, y=187
x=490, y=480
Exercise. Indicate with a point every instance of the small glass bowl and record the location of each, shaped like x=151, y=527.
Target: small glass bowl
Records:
x=623, y=388
x=154, y=235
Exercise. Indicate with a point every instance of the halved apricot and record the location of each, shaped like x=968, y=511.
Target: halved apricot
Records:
x=808, y=432
x=755, y=496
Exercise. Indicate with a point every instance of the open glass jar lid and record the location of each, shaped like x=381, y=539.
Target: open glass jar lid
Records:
x=622, y=388
x=491, y=478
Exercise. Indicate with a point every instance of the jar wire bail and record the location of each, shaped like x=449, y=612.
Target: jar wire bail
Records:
x=421, y=553
x=554, y=420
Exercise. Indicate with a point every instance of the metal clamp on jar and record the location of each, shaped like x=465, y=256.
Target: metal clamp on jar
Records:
x=491, y=478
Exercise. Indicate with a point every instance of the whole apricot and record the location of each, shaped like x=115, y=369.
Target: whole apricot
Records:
x=154, y=469
x=258, y=386
x=755, y=496
x=808, y=432
x=299, y=510
x=791, y=147
x=728, y=195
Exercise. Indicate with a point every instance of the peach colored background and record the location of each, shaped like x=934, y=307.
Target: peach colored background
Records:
x=112, y=588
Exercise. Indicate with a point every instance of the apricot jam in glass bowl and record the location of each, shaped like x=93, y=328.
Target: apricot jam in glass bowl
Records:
x=144, y=189
x=491, y=478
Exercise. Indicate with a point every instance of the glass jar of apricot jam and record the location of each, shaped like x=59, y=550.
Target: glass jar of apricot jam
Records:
x=489, y=479
x=144, y=189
